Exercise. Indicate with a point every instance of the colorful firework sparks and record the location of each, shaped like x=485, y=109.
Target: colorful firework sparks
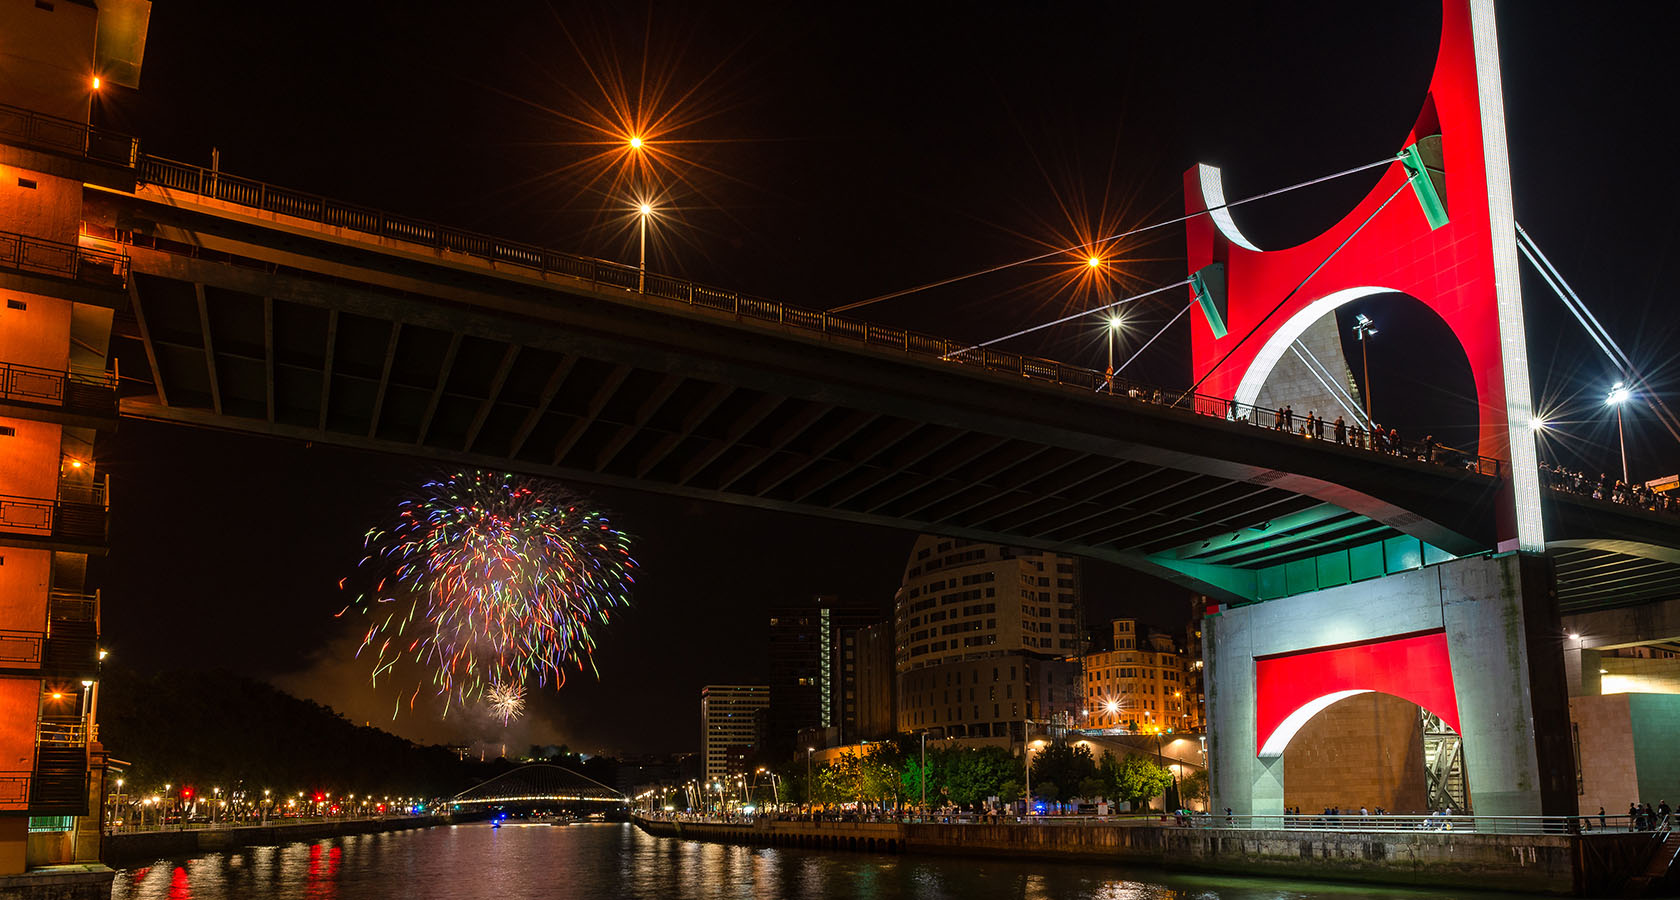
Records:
x=507, y=701
x=498, y=581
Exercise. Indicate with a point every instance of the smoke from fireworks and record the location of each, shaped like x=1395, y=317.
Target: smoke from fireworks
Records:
x=497, y=581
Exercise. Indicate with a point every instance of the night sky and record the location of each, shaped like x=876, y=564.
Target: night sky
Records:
x=831, y=154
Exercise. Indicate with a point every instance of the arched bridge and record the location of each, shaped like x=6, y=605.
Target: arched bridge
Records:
x=270, y=311
x=539, y=783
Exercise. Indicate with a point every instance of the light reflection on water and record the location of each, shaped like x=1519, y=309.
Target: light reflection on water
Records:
x=476, y=862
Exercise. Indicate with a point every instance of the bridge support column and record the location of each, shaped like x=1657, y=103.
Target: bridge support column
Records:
x=1503, y=672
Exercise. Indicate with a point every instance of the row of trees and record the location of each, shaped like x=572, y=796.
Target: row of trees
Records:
x=891, y=774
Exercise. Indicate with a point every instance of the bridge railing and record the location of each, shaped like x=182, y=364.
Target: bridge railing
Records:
x=99, y=268
x=33, y=129
x=247, y=192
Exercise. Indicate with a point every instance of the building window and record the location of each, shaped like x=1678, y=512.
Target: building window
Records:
x=52, y=823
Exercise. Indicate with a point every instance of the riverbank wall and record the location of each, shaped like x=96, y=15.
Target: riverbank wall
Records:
x=145, y=846
x=1567, y=865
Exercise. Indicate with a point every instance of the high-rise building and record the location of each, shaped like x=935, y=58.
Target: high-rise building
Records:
x=731, y=726
x=1195, y=694
x=991, y=697
x=877, y=683
x=58, y=292
x=980, y=632
x=1139, y=684
x=965, y=600
x=813, y=668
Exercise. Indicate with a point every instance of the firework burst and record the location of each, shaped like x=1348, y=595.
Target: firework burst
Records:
x=507, y=701
x=495, y=582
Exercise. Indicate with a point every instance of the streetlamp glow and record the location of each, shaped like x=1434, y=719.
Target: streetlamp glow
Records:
x=1094, y=262
x=1618, y=396
x=635, y=142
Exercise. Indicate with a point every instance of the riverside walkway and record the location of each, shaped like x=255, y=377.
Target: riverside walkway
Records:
x=1542, y=856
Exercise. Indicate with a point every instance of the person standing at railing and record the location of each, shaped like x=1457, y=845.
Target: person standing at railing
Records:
x=1312, y=417
x=1288, y=418
x=1341, y=430
x=1277, y=419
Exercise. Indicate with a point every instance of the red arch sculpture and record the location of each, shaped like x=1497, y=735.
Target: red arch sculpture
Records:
x=1292, y=689
x=1464, y=269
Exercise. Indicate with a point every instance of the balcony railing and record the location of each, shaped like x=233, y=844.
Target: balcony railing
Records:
x=14, y=791
x=78, y=513
x=20, y=649
x=84, y=392
x=99, y=268
x=65, y=731
x=72, y=606
x=33, y=129
x=247, y=192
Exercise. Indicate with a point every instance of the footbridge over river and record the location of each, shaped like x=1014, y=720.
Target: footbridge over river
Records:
x=270, y=311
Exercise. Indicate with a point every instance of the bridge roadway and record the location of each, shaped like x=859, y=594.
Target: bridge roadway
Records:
x=269, y=311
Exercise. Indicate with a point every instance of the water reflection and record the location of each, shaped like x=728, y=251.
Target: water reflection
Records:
x=475, y=862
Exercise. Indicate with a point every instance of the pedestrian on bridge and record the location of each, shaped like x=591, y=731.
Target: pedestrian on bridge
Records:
x=1341, y=431
x=1288, y=418
x=1277, y=419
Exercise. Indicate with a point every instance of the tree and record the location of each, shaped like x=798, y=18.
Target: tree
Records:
x=1137, y=780
x=1063, y=764
x=1093, y=787
x=1194, y=786
x=1047, y=790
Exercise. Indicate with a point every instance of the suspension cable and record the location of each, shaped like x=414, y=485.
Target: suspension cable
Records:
x=1295, y=290
x=1595, y=330
x=1107, y=240
x=1078, y=315
x=1163, y=330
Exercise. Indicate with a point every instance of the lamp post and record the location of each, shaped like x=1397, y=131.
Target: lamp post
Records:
x=642, y=211
x=810, y=792
x=1618, y=396
x=1030, y=745
x=1363, y=328
x=1114, y=324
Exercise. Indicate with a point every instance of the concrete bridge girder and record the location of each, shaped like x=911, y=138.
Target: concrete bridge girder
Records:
x=1501, y=630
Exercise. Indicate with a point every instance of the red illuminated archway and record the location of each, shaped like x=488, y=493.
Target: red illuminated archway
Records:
x=1291, y=689
x=1465, y=269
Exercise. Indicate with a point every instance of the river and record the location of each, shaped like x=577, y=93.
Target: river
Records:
x=599, y=861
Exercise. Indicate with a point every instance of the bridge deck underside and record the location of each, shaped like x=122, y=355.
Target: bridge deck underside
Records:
x=1600, y=579
x=273, y=332
x=267, y=364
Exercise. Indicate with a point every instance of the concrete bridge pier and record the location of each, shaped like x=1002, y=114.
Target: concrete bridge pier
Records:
x=1476, y=641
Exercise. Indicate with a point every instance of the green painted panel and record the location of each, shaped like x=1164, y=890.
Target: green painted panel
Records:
x=1433, y=554
x=1402, y=553
x=1269, y=583
x=1656, y=720
x=1332, y=569
x=1301, y=576
x=1365, y=561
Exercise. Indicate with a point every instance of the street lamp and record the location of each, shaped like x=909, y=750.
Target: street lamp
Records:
x=1363, y=327
x=643, y=211
x=809, y=793
x=1114, y=323
x=1030, y=746
x=1618, y=396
